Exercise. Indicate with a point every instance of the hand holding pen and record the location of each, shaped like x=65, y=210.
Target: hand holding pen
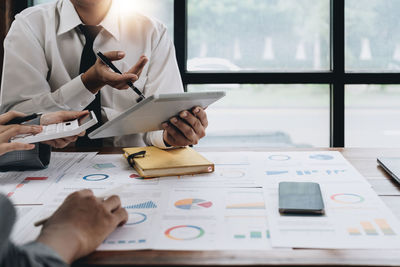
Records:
x=103, y=72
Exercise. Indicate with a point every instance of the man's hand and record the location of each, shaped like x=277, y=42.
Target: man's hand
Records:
x=81, y=223
x=100, y=74
x=9, y=131
x=62, y=116
x=187, y=129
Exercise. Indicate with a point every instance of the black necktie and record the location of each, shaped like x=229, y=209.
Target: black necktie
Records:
x=88, y=59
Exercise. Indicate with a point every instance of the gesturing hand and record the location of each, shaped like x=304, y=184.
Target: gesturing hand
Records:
x=100, y=74
x=81, y=223
x=186, y=129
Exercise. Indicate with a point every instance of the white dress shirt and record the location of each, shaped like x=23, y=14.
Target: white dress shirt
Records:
x=42, y=57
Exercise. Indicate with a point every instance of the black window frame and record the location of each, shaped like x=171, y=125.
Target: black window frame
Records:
x=336, y=77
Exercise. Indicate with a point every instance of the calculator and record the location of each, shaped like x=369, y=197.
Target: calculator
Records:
x=58, y=130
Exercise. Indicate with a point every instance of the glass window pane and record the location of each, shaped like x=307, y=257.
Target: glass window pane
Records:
x=162, y=10
x=261, y=35
x=268, y=116
x=373, y=116
x=372, y=35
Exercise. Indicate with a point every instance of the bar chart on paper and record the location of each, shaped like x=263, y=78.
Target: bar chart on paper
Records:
x=372, y=228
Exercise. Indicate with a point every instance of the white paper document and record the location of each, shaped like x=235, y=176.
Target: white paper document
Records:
x=355, y=218
x=28, y=187
x=234, y=208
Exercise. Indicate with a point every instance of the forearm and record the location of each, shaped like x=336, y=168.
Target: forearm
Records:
x=32, y=255
x=71, y=96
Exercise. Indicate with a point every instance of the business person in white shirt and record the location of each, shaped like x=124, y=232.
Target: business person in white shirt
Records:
x=46, y=51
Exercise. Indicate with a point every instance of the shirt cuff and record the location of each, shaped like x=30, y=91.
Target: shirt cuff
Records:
x=44, y=252
x=75, y=95
x=157, y=139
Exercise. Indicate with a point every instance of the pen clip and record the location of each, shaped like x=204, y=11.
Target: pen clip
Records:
x=140, y=154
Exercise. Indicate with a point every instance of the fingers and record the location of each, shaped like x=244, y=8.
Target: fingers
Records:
x=138, y=68
x=9, y=116
x=112, y=203
x=115, y=55
x=70, y=139
x=120, y=216
x=61, y=142
x=81, y=193
x=118, y=81
x=8, y=147
x=194, y=122
x=72, y=115
x=201, y=115
x=185, y=129
x=173, y=136
x=61, y=116
x=13, y=130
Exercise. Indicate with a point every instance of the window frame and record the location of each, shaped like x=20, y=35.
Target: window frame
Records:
x=336, y=77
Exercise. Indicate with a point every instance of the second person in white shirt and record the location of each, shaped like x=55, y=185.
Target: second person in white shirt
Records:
x=43, y=51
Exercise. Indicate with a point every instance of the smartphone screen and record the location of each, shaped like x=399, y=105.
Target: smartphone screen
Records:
x=300, y=198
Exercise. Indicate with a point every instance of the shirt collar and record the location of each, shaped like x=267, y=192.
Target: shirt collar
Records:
x=111, y=22
x=69, y=19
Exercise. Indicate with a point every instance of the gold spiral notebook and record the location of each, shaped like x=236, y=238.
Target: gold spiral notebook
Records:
x=154, y=162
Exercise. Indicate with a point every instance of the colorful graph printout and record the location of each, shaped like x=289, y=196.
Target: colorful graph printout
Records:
x=369, y=228
x=384, y=226
x=145, y=205
x=193, y=203
x=184, y=232
x=279, y=157
x=136, y=218
x=95, y=177
x=102, y=166
x=321, y=157
x=247, y=206
x=347, y=198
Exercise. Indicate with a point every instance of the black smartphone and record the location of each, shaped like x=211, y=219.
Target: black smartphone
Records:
x=300, y=198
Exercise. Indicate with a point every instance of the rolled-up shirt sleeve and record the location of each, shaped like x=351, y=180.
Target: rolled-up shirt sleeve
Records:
x=31, y=255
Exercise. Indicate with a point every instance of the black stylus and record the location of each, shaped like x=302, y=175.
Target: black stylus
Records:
x=108, y=62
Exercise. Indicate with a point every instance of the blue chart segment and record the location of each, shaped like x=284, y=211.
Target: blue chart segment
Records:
x=145, y=205
x=271, y=173
x=95, y=177
x=306, y=172
x=279, y=157
x=136, y=218
x=321, y=157
x=332, y=172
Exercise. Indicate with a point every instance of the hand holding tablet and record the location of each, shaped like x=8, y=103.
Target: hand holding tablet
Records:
x=187, y=128
x=151, y=113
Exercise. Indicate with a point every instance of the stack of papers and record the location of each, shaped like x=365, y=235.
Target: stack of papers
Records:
x=234, y=208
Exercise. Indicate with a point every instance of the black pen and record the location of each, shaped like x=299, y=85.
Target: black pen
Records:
x=19, y=120
x=108, y=62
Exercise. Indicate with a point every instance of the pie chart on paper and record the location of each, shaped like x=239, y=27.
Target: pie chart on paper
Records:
x=193, y=204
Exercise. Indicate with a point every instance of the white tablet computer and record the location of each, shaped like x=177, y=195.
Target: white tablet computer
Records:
x=149, y=114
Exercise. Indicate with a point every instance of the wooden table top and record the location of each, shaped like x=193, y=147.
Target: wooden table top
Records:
x=363, y=159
